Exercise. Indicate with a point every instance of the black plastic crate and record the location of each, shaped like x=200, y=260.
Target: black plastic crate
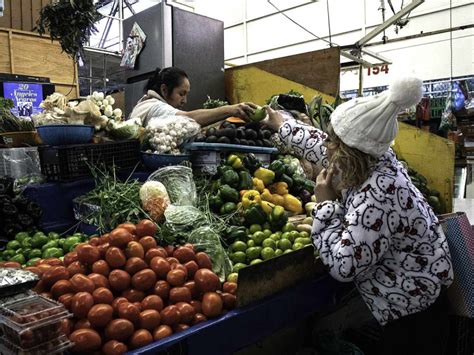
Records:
x=69, y=162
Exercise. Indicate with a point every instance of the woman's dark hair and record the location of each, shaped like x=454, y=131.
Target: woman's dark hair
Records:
x=171, y=77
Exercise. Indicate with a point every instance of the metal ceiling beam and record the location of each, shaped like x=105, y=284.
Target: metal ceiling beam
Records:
x=383, y=26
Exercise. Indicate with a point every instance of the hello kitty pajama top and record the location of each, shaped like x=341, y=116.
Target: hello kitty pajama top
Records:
x=383, y=236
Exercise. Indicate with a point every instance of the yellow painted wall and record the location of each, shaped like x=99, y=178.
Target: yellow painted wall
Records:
x=256, y=85
x=431, y=156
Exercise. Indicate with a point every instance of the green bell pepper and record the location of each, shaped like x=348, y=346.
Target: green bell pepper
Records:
x=298, y=182
x=251, y=163
x=221, y=169
x=20, y=236
x=13, y=245
x=236, y=232
x=19, y=258
x=231, y=178
x=278, y=217
x=53, y=235
x=34, y=253
x=290, y=169
x=7, y=254
x=309, y=186
x=70, y=243
x=229, y=194
x=52, y=253
x=50, y=244
x=287, y=179
x=246, y=182
x=27, y=242
x=228, y=207
x=255, y=215
x=277, y=167
x=38, y=240
x=215, y=202
x=32, y=261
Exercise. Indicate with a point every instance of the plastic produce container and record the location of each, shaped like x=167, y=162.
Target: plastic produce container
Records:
x=33, y=321
x=155, y=161
x=56, y=346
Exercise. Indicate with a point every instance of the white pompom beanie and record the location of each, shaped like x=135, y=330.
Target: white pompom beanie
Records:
x=369, y=124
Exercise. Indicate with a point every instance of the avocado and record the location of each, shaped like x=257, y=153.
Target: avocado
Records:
x=236, y=141
x=240, y=133
x=211, y=139
x=251, y=134
x=266, y=133
x=229, y=132
x=244, y=142
x=267, y=143
x=259, y=143
x=200, y=138
x=251, y=143
x=211, y=132
x=223, y=140
x=225, y=124
x=252, y=125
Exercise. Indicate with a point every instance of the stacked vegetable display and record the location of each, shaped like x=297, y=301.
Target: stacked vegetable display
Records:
x=250, y=134
x=126, y=291
x=29, y=248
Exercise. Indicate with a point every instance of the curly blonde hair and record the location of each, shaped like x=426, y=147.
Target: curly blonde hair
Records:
x=355, y=166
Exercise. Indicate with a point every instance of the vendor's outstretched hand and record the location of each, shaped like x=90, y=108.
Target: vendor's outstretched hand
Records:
x=243, y=110
x=274, y=119
x=324, y=191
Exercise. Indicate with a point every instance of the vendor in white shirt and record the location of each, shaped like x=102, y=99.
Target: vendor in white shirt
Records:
x=166, y=94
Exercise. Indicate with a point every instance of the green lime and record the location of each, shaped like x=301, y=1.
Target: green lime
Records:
x=304, y=234
x=284, y=244
x=279, y=234
x=267, y=253
x=238, y=257
x=297, y=246
x=288, y=227
x=239, y=246
x=269, y=242
x=294, y=235
x=255, y=228
x=32, y=261
x=253, y=253
x=275, y=237
x=278, y=252
x=303, y=241
x=233, y=277
x=238, y=266
x=259, y=114
x=267, y=232
x=288, y=236
x=258, y=237
x=255, y=261
x=250, y=243
x=288, y=251
x=27, y=242
x=266, y=225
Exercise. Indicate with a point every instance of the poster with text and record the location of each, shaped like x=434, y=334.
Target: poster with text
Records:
x=27, y=97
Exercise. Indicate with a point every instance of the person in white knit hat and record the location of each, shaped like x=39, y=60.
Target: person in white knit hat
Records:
x=371, y=225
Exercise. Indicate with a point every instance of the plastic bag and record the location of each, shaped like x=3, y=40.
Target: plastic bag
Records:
x=206, y=239
x=167, y=135
x=179, y=182
x=23, y=165
x=180, y=221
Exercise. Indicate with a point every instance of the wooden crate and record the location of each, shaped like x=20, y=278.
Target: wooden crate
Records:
x=21, y=14
x=27, y=53
x=274, y=275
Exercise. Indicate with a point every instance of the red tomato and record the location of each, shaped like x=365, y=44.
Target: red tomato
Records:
x=206, y=280
x=212, y=304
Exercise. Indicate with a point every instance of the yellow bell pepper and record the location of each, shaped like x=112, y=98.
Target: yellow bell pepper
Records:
x=267, y=196
x=280, y=188
x=278, y=200
x=266, y=175
x=273, y=198
x=267, y=207
x=258, y=184
x=292, y=204
x=234, y=161
x=251, y=197
x=242, y=192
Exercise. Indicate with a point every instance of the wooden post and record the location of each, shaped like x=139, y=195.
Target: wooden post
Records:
x=10, y=47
